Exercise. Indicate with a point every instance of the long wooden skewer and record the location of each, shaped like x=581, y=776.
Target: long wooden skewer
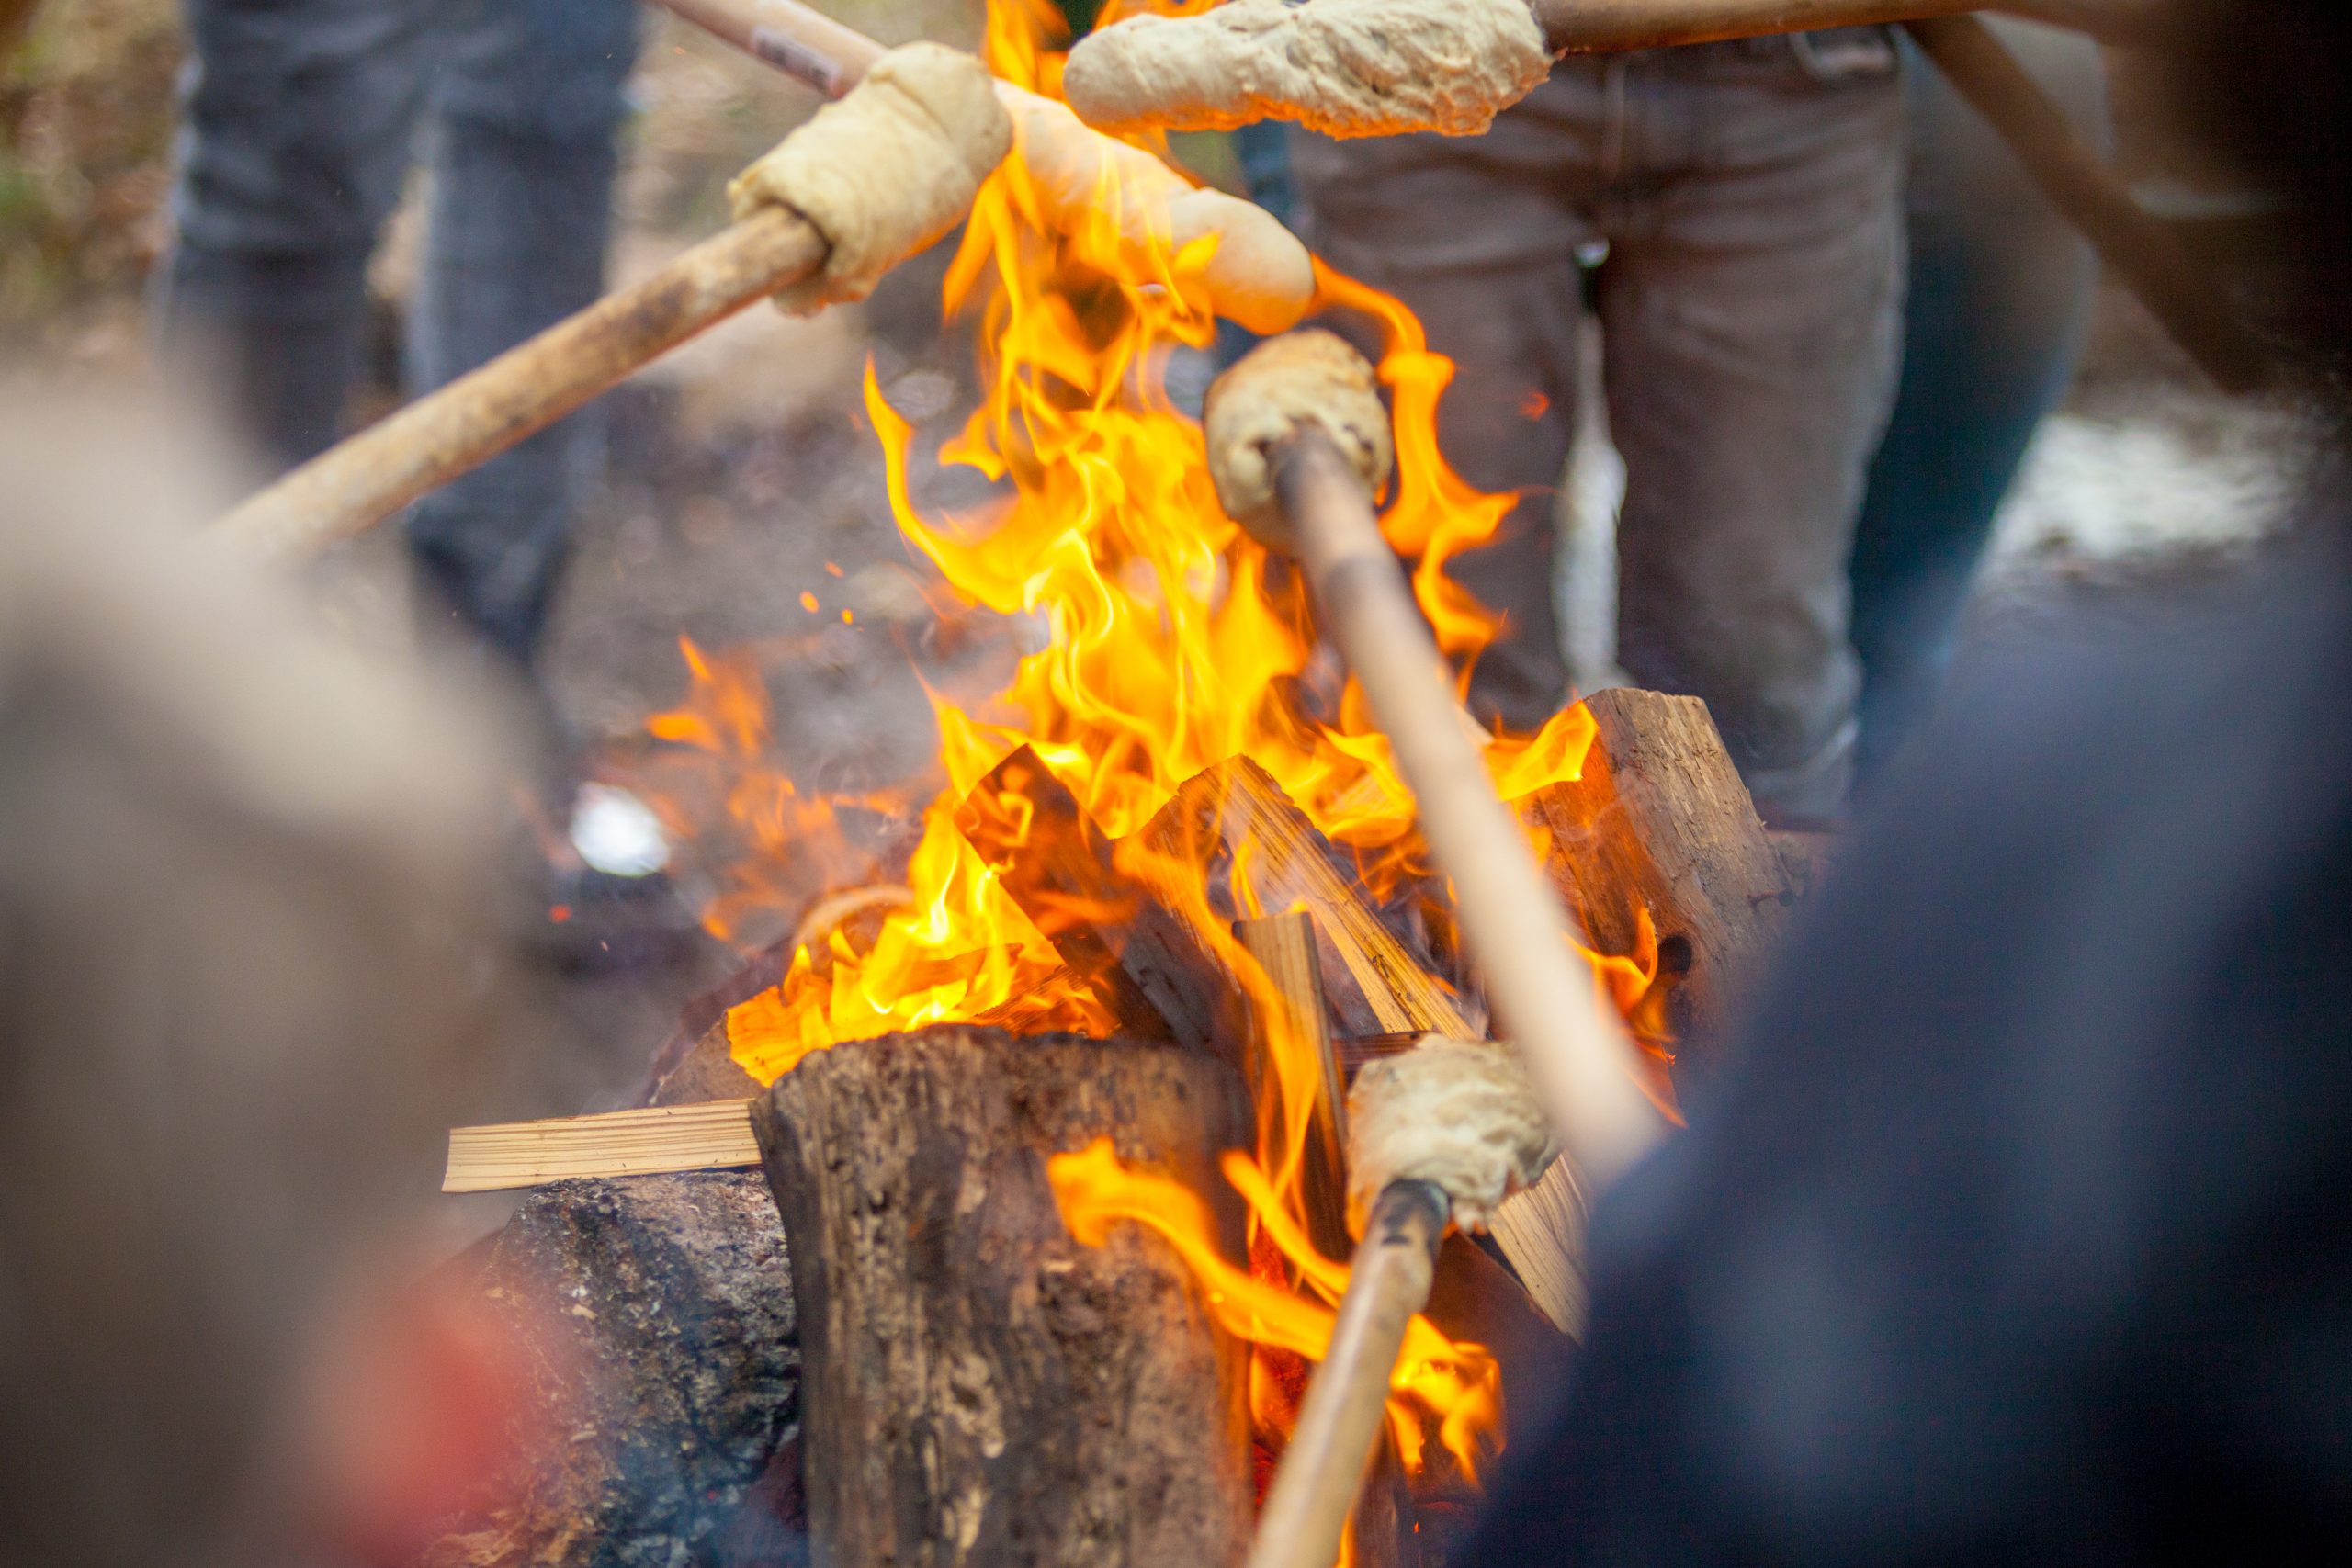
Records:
x=1514, y=926
x=358, y=482
x=1314, y=1490
x=2140, y=250
x=1610, y=26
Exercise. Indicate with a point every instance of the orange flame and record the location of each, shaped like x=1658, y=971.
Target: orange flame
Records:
x=1455, y=1384
x=1176, y=644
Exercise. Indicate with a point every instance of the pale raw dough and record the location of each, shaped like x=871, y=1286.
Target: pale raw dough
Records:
x=1343, y=67
x=1125, y=200
x=1304, y=377
x=885, y=171
x=1460, y=1113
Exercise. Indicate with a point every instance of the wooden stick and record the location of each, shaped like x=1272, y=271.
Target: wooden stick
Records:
x=2191, y=304
x=1545, y=999
x=358, y=482
x=714, y=1135
x=1375, y=981
x=1611, y=25
x=1314, y=1487
x=1284, y=946
x=804, y=44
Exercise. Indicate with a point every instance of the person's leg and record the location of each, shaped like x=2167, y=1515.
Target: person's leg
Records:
x=1750, y=312
x=297, y=129
x=1477, y=238
x=2001, y=300
x=526, y=109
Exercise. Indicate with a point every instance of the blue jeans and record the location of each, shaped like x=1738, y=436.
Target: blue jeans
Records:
x=2001, y=290
x=302, y=118
x=1751, y=197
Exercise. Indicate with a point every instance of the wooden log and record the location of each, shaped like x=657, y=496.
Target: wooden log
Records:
x=979, y=1387
x=660, y=1311
x=1160, y=981
x=1660, y=821
x=1284, y=946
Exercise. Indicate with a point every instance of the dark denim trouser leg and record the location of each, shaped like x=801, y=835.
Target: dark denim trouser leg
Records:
x=2001, y=290
x=523, y=157
x=296, y=127
x=1750, y=314
x=1750, y=195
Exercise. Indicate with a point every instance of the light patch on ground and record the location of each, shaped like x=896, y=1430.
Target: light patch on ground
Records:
x=2140, y=491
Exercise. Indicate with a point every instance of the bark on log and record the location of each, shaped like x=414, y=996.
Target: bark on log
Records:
x=1661, y=821
x=981, y=1388
x=662, y=1308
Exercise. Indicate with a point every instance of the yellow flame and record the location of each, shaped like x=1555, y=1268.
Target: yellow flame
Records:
x=1176, y=643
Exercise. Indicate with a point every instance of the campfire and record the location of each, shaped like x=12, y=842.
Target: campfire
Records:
x=1053, y=1122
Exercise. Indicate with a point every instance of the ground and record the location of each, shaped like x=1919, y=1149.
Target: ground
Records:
x=741, y=474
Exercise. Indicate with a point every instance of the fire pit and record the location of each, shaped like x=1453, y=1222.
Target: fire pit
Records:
x=1055, y=1136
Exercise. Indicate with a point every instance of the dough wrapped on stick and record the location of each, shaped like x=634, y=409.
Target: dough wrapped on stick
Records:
x=1104, y=192
x=884, y=172
x=1460, y=1114
x=1088, y=186
x=1343, y=67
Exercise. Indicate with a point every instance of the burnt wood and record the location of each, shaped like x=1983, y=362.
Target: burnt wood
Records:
x=1159, y=981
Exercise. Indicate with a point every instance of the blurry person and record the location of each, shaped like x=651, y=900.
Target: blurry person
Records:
x=303, y=120
x=1999, y=305
x=248, y=880
x=2019, y=1229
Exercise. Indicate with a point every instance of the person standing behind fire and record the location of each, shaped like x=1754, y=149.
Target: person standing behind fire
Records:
x=303, y=120
x=1750, y=198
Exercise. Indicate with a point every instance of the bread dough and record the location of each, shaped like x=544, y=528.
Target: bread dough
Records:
x=885, y=171
x=1258, y=275
x=1343, y=67
x=1301, y=378
x=1461, y=1114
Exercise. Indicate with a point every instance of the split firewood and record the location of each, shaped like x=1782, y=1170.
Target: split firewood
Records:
x=1377, y=979
x=664, y=1347
x=1660, y=825
x=1284, y=947
x=980, y=1387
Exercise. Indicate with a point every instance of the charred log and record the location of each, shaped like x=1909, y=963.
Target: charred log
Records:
x=661, y=1312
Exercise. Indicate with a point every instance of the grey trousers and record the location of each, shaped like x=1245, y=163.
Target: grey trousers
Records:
x=302, y=119
x=1750, y=198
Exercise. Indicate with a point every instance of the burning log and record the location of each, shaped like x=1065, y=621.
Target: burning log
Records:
x=1233, y=821
x=1160, y=981
x=1660, y=825
x=980, y=1387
